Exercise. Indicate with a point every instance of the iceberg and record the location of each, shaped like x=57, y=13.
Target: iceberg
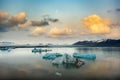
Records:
x=4, y=49
x=35, y=50
x=85, y=56
x=68, y=60
x=40, y=50
x=57, y=61
x=52, y=55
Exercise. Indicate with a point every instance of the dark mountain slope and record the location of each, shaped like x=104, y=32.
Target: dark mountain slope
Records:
x=103, y=43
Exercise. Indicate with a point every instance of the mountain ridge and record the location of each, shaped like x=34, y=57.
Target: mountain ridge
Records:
x=102, y=43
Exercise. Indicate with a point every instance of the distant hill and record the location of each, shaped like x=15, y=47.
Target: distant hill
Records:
x=6, y=43
x=102, y=43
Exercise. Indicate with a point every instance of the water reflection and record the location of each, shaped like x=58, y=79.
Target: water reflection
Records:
x=108, y=67
x=22, y=63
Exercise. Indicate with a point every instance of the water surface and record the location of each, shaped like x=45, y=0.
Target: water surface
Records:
x=21, y=63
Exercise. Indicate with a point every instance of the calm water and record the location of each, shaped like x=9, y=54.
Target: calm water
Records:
x=23, y=64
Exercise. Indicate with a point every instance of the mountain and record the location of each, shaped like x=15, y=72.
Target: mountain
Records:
x=102, y=43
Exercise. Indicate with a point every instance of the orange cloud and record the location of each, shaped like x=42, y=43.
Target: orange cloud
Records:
x=115, y=33
x=55, y=32
x=3, y=16
x=25, y=25
x=37, y=31
x=18, y=18
x=96, y=24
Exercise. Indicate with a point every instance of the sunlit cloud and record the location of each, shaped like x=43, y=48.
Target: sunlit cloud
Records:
x=25, y=25
x=56, y=32
x=38, y=31
x=115, y=33
x=97, y=24
x=3, y=16
x=7, y=24
x=18, y=18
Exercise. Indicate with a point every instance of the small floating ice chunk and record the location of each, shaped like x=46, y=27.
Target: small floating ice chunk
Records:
x=58, y=74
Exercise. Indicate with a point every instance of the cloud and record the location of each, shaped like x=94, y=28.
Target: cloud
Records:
x=53, y=20
x=18, y=18
x=96, y=24
x=3, y=16
x=25, y=25
x=5, y=26
x=40, y=23
x=37, y=31
x=115, y=31
x=44, y=22
x=2, y=29
x=56, y=32
x=118, y=9
x=19, y=21
x=114, y=10
x=48, y=18
x=116, y=24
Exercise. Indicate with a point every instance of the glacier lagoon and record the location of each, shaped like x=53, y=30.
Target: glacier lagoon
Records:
x=22, y=63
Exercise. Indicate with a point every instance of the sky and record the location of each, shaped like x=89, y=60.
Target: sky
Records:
x=58, y=21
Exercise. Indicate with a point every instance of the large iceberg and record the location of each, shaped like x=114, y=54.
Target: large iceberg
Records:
x=85, y=56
